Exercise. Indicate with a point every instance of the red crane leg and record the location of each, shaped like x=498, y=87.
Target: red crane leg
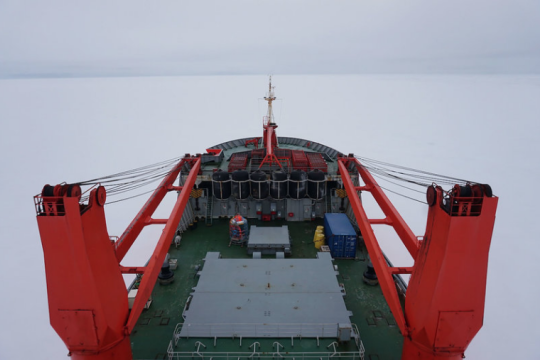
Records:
x=444, y=304
x=402, y=229
x=87, y=297
x=154, y=265
x=140, y=221
x=384, y=273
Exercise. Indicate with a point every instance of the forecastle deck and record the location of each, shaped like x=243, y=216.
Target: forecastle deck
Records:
x=153, y=336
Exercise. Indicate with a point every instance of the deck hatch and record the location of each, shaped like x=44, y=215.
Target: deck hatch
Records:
x=269, y=240
x=220, y=307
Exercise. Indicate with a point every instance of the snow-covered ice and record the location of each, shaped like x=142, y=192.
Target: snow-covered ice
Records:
x=483, y=128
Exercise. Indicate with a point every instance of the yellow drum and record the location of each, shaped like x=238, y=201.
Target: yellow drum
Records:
x=318, y=239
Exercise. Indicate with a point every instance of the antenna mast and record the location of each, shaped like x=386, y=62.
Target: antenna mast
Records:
x=270, y=97
x=269, y=132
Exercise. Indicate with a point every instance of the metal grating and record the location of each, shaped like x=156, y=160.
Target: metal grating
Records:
x=316, y=162
x=238, y=162
x=299, y=160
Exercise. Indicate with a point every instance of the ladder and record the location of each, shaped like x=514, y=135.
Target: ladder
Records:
x=329, y=202
x=209, y=208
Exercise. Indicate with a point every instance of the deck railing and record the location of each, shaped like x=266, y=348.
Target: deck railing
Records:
x=256, y=330
x=277, y=330
x=350, y=355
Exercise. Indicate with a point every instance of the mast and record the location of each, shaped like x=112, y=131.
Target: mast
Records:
x=271, y=97
x=269, y=133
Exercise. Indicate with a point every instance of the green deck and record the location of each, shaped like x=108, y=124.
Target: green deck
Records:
x=154, y=330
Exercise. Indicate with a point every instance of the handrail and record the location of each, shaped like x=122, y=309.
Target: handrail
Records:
x=257, y=330
x=328, y=355
x=349, y=355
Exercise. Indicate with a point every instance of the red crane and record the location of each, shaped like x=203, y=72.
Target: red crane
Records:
x=88, y=304
x=444, y=304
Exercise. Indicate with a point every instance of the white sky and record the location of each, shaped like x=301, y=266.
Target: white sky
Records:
x=81, y=38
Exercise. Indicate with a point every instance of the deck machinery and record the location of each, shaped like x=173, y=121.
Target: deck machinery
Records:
x=272, y=301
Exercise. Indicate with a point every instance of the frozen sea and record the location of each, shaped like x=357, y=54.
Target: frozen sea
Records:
x=483, y=128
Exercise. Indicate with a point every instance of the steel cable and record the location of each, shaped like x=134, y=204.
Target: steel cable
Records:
x=393, y=174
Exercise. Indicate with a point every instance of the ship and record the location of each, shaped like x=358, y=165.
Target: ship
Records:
x=268, y=253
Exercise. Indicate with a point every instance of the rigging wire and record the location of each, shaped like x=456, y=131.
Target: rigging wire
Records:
x=403, y=186
x=393, y=174
x=141, y=169
x=438, y=176
x=129, y=180
x=131, y=197
x=405, y=196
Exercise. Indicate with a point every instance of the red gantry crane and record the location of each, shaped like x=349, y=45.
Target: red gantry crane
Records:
x=88, y=304
x=444, y=303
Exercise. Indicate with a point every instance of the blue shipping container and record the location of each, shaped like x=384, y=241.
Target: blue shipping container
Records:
x=340, y=236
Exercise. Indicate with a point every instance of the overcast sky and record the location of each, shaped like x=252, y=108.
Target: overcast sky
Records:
x=81, y=38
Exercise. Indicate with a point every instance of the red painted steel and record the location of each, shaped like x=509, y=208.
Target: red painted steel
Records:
x=87, y=297
x=444, y=303
x=270, y=160
x=254, y=142
x=238, y=162
x=154, y=265
x=377, y=258
x=132, y=269
x=446, y=294
x=401, y=270
x=214, y=151
x=316, y=162
x=270, y=143
x=269, y=138
x=402, y=229
x=139, y=222
x=299, y=160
